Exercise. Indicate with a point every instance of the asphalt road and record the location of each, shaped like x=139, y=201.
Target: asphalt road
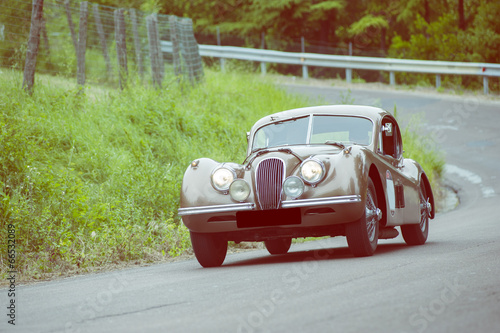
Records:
x=450, y=284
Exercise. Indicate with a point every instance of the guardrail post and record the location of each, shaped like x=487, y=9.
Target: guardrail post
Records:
x=305, y=74
x=348, y=71
x=348, y=75
x=222, y=60
x=263, y=66
x=392, y=78
x=485, y=85
x=438, y=81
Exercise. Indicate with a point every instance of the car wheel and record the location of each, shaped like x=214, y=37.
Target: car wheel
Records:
x=278, y=246
x=416, y=234
x=362, y=235
x=210, y=250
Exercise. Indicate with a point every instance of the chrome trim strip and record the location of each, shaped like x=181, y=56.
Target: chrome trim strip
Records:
x=344, y=199
x=215, y=209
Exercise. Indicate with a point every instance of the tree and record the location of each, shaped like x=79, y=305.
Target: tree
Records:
x=461, y=18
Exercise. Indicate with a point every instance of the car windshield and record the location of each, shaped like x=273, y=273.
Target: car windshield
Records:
x=325, y=129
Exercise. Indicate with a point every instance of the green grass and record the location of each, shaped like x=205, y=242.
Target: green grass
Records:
x=421, y=147
x=92, y=178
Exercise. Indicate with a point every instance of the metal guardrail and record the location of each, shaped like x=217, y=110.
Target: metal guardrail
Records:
x=349, y=63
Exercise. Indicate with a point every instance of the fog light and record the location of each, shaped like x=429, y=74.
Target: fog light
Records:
x=293, y=187
x=239, y=190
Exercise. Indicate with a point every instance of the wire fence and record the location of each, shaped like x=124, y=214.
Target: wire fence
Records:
x=113, y=43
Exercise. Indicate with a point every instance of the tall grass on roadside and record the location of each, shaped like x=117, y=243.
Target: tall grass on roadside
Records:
x=422, y=147
x=93, y=178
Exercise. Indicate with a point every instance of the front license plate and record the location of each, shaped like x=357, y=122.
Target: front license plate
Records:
x=268, y=218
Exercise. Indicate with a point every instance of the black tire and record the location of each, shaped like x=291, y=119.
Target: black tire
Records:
x=210, y=250
x=278, y=246
x=416, y=234
x=362, y=235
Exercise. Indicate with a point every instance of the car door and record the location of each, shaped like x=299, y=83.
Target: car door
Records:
x=400, y=190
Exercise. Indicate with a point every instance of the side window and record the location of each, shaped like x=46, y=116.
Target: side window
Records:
x=387, y=137
x=391, y=138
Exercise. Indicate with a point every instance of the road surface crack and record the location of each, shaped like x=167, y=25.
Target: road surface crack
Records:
x=132, y=312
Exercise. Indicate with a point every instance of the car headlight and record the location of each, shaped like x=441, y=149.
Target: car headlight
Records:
x=312, y=171
x=222, y=178
x=293, y=187
x=239, y=190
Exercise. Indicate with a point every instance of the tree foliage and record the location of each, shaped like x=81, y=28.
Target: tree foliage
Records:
x=452, y=30
x=442, y=30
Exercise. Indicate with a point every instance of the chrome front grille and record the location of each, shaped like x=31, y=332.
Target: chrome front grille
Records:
x=269, y=178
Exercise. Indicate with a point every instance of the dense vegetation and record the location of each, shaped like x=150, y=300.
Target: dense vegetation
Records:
x=451, y=30
x=454, y=30
x=91, y=178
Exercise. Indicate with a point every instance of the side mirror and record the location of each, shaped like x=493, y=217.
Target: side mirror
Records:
x=248, y=137
x=387, y=128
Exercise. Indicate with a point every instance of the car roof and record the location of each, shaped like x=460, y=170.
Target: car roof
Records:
x=371, y=112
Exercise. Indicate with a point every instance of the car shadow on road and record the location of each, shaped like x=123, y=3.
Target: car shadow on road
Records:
x=334, y=253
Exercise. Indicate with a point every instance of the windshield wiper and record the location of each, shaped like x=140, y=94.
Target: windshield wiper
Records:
x=289, y=151
x=255, y=154
x=263, y=151
x=335, y=143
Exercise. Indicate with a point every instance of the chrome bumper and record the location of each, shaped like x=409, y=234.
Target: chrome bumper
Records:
x=344, y=199
x=216, y=209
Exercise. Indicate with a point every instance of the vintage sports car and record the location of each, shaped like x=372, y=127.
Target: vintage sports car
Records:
x=309, y=172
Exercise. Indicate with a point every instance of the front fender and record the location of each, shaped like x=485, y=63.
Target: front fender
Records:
x=347, y=174
x=196, y=188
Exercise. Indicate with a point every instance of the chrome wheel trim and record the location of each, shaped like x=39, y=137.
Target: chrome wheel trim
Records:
x=425, y=209
x=372, y=213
